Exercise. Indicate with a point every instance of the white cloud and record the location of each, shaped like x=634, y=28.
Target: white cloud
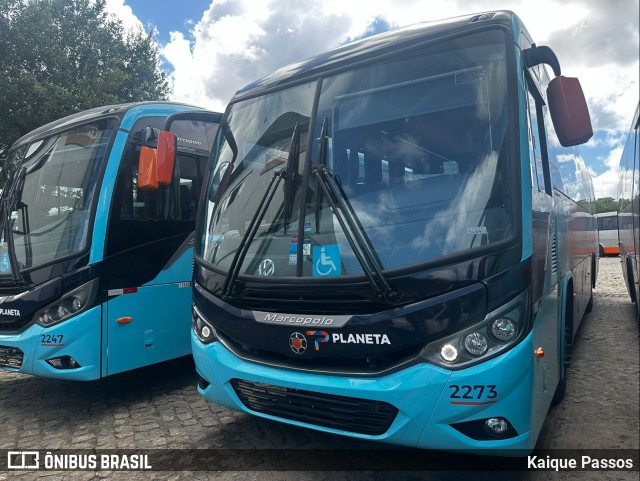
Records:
x=606, y=184
x=124, y=14
x=238, y=41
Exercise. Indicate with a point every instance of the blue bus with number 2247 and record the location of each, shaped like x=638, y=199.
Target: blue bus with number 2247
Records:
x=97, y=213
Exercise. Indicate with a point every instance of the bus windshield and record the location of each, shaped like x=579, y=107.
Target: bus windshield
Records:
x=417, y=146
x=48, y=188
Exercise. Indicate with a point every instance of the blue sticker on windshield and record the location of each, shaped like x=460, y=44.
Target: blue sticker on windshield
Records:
x=5, y=265
x=327, y=260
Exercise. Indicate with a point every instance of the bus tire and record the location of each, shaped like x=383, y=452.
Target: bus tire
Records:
x=601, y=249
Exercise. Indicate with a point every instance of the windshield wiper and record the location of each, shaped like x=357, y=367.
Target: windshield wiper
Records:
x=351, y=226
x=241, y=253
x=288, y=174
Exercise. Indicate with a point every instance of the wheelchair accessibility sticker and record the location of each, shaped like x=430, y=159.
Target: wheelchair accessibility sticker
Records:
x=327, y=260
x=5, y=266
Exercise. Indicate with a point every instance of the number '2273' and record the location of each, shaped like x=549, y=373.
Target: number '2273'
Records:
x=477, y=391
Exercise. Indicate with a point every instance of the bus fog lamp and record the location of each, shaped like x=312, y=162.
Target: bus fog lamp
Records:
x=496, y=425
x=476, y=344
x=449, y=353
x=64, y=362
x=503, y=329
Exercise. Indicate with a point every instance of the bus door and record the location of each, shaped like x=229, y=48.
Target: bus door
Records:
x=148, y=266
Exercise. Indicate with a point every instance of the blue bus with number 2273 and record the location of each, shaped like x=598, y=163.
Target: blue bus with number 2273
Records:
x=393, y=246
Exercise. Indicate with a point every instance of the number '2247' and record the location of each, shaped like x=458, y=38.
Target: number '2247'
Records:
x=473, y=392
x=51, y=338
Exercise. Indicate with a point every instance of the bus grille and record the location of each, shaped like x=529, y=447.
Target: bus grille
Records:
x=11, y=325
x=337, y=412
x=11, y=357
x=554, y=254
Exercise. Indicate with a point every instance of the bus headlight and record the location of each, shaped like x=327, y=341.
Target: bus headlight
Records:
x=476, y=344
x=449, y=353
x=203, y=330
x=499, y=330
x=503, y=329
x=69, y=305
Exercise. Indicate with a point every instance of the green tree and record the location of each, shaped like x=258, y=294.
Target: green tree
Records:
x=58, y=57
x=606, y=204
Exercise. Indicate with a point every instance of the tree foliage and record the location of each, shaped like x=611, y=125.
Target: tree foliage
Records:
x=606, y=204
x=58, y=57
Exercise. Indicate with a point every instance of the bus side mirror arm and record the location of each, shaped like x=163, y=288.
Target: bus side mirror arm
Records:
x=536, y=55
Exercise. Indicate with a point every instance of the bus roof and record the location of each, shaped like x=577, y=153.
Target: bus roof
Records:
x=369, y=47
x=118, y=109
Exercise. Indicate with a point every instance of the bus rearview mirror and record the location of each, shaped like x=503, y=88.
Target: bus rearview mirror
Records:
x=166, y=157
x=569, y=111
x=147, y=169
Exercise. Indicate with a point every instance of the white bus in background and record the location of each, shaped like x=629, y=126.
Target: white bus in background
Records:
x=608, y=233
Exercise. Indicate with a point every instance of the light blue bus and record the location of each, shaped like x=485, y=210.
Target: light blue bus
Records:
x=97, y=215
x=629, y=212
x=393, y=245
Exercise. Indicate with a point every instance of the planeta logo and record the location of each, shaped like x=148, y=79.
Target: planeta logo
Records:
x=10, y=312
x=298, y=343
x=319, y=336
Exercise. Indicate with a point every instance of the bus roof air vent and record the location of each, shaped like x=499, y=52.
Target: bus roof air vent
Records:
x=482, y=16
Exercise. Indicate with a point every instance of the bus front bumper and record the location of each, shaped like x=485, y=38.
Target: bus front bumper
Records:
x=437, y=408
x=69, y=350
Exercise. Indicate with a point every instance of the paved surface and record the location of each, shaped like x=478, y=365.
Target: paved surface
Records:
x=159, y=407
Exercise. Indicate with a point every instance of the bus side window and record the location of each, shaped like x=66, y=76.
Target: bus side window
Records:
x=537, y=179
x=536, y=104
x=142, y=216
x=189, y=173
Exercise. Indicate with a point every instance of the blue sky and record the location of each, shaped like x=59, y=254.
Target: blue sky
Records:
x=168, y=15
x=211, y=48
